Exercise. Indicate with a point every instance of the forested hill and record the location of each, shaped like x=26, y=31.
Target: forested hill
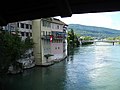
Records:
x=94, y=31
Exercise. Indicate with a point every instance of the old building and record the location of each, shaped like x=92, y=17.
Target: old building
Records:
x=24, y=28
x=49, y=36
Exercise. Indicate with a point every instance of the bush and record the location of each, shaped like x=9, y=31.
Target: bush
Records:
x=11, y=49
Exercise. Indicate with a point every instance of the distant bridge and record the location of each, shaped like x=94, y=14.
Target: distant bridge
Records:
x=94, y=41
x=110, y=41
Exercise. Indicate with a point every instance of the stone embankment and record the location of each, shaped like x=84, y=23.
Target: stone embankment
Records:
x=52, y=62
x=30, y=63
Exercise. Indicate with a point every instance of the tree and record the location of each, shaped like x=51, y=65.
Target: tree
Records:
x=72, y=39
x=11, y=49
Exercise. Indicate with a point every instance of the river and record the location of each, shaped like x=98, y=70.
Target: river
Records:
x=92, y=67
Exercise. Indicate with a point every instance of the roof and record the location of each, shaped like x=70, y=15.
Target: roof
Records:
x=21, y=10
x=54, y=20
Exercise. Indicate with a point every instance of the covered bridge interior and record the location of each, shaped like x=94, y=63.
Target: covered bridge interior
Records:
x=20, y=10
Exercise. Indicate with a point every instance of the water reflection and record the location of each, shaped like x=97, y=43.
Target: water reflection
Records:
x=52, y=78
x=95, y=68
x=76, y=72
x=87, y=68
x=104, y=74
x=71, y=52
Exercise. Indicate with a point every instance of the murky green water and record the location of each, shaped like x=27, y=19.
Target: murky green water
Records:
x=87, y=68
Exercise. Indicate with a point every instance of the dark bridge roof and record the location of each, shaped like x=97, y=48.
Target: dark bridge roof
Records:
x=19, y=10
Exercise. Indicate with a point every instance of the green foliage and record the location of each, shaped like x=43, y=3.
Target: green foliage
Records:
x=113, y=38
x=87, y=38
x=117, y=38
x=11, y=49
x=72, y=39
x=28, y=43
x=78, y=35
x=110, y=38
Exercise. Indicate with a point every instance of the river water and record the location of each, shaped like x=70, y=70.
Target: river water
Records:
x=92, y=67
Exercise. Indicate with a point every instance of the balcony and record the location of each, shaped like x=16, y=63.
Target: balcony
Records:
x=47, y=37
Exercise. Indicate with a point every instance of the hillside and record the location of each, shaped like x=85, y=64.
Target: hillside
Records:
x=94, y=31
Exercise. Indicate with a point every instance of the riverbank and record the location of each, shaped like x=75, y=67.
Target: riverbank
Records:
x=32, y=65
x=86, y=43
x=52, y=62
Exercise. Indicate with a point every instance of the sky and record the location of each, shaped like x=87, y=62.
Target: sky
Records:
x=106, y=19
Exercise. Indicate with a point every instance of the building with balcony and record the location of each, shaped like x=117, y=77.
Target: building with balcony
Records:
x=49, y=36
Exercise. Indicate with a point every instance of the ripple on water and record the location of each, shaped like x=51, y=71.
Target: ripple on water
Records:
x=87, y=68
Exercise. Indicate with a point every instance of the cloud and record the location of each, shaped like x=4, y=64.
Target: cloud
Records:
x=94, y=19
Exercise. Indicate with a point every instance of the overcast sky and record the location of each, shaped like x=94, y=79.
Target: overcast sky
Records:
x=107, y=19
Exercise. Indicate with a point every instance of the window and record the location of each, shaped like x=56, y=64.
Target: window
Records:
x=49, y=24
x=31, y=34
x=46, y=23
x=27, y=34
x=27, y=26
x=49, y=33
x=30, y=26
x=53, y=26
x=57, y=26
x=22, y=25
x=17, y=24
x=22, y=33
x=43, y=33
x=11, y=28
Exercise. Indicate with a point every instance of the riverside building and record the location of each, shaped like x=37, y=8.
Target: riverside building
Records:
x=24, y=28
x=49, y=36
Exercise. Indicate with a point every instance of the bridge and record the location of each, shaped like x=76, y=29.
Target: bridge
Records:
x=32, y=9
x=110, y=41
x=94, y=41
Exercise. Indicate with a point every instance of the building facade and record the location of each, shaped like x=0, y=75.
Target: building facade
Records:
x=49, y=36
x=24, y=28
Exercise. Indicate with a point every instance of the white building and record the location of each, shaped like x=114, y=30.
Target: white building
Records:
x=49, y=38
x=24, y=28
